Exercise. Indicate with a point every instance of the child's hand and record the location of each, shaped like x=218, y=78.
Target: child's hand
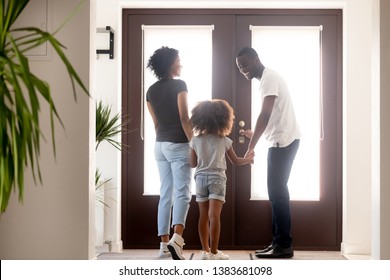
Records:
x=248, y=133
x=250, y=155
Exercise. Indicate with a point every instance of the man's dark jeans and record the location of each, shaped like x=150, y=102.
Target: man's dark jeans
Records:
x=280, y=161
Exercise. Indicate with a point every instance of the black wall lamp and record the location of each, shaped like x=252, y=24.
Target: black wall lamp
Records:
x=110, y=51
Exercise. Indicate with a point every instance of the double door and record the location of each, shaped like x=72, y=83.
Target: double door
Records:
x=246, y=222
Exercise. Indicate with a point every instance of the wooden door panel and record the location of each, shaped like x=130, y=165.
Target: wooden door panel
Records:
x=139, y=212
x=315, y=224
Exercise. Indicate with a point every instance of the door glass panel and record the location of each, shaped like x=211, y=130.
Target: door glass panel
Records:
x=194, y=44
x=294, y=52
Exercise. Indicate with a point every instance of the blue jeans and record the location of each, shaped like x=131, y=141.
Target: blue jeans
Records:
x=175, y=177
x=280, y=162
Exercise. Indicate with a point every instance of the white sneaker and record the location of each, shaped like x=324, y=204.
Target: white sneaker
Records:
x=218, y=256
x=164, y=252
x=204, y=255
x=175, y=246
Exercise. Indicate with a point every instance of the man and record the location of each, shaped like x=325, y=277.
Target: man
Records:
x=278, y=124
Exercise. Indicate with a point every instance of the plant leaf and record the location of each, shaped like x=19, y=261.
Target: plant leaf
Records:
x=21, y=95
x=108, y=127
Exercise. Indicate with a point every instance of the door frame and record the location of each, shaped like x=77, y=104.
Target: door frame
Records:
x=125, y=87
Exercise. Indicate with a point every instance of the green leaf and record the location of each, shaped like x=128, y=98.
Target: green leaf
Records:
x=108, y=127
x=21, y=96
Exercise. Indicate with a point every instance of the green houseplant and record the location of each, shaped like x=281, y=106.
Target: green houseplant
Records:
x=21, y=96
x=107, y=127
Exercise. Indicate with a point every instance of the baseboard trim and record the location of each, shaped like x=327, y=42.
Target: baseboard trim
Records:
x=353, y=251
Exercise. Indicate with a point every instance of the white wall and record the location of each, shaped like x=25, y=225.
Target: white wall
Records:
x=108, y=89
x=358, y=83
x=356, y=128
x=54, y=220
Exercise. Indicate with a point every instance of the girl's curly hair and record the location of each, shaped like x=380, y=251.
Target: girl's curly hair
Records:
x=214, y=116
x=161, y=61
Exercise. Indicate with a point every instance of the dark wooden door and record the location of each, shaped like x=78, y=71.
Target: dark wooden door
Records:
x=245, y=224
x=315, y=224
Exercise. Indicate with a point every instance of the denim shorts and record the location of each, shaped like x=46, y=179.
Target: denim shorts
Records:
x=210, y=187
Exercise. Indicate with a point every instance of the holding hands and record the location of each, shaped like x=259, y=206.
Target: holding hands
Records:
x=250, y=153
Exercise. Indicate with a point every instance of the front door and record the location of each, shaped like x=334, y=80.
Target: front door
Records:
x=246, y=218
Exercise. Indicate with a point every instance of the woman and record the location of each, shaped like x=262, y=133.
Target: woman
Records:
x=168, y=106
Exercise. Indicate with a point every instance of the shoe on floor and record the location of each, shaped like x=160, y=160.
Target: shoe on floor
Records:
x=164, y=252
x=175, y=246
x=218, y=256
x=204, y=255
x=277, y=252
x=261, y=251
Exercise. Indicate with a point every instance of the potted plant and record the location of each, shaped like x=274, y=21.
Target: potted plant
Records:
x=21, y=96
x=107, y=128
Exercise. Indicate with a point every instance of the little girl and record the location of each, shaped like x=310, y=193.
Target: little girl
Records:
x=212, y=121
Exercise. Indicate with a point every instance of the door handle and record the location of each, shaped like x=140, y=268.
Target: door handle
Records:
x=241, y=138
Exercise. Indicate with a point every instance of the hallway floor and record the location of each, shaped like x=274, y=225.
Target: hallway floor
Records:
x=152, y=254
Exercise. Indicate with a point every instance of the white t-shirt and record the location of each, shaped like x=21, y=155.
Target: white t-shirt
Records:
x=282, y=128
x=211, y=150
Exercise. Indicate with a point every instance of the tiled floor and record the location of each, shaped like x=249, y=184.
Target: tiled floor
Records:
x=233, y=255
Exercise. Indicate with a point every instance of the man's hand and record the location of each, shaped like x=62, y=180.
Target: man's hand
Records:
x=248, y=133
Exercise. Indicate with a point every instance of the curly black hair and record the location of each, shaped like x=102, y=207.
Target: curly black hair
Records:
x=161, y=61
x=214, y=116
x=250, y=52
